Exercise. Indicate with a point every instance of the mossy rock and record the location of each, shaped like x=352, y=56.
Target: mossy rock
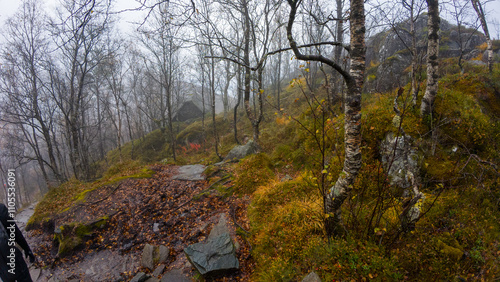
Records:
x=449, y=247
x=70, y=236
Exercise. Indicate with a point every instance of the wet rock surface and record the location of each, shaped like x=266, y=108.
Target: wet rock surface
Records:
x=190, y=173
x=217, y=255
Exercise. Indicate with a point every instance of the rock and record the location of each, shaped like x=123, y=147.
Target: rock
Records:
x=70, y=236
x=220, y=228
x=400, y=160
x=241, y=151
x=35, y=273
x=163, y=253
x=217, y=255
x=175, y=275
x=156, y=227
x=147, y=259
x=312, y=277
x=53, y=279
x=159, y=270
x=153, y=279
x=140, y=277
x=388, y=58
x=152, y=255
x=190, y=173
x=477, y=63
x=286, y=178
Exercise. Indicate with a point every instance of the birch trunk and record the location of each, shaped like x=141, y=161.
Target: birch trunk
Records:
x=352, y=163
x=432, y=58
x=337, y=194
x=482, y=18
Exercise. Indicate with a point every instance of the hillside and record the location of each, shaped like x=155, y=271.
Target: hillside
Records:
x=275, y=195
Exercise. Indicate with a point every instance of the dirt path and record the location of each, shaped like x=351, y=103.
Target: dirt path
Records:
x=172, y=208
x=23, y=216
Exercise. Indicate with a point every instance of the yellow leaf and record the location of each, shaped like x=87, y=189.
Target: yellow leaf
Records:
x=307, y=69
x=324, y=171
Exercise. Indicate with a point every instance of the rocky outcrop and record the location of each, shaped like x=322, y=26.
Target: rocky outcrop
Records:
x=400, y=160
x=388, y=58
x=216, y=256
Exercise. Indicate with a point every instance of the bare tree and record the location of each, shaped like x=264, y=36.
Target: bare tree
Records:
x=160, y=40
x=78, y=31
x=22, y=82
x=460, y=12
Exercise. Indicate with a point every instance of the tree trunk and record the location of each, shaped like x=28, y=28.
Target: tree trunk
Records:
x=482, y=18
x=335, y=197
x=432, y=58
x=238, y=101
x=414, y=62
x=352, y=163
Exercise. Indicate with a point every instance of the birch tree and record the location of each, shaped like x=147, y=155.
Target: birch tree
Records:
x=478, y=7
x=427, y=104
x=353, y=78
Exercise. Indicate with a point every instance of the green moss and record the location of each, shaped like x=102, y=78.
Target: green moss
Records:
x=252, y=172
x=73, y=235
x=448, y=247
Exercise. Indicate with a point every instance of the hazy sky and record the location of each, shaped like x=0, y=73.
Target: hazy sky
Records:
x=8, y=7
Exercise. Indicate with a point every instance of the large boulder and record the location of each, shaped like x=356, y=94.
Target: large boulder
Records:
x=241, y=151
x=216, y=256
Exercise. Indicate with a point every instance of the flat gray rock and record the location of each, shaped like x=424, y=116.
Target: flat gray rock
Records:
x=175, y=275
x=159, y=270
x=190, y=173
x=217, y=255
x=140, y=277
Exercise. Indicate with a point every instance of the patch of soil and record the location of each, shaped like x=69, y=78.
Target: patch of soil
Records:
x=181, y=212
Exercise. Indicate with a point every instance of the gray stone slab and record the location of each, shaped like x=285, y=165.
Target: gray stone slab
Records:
x=190, y=173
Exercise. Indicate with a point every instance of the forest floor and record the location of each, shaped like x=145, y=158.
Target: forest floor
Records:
x=160, y=210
